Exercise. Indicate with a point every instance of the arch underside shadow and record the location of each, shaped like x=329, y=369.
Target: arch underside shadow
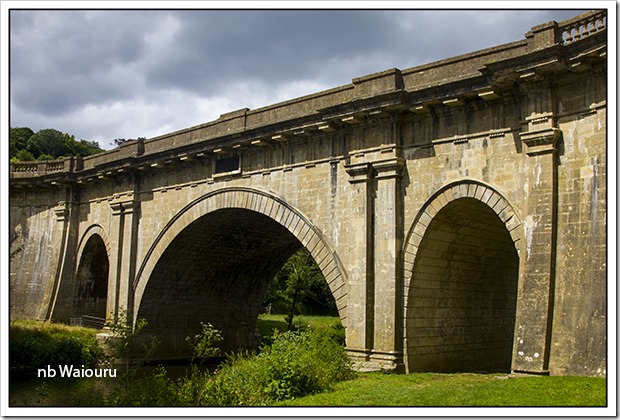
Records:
x=214, y=263
x=91, y=279
x=84, y=291
x=463, y=269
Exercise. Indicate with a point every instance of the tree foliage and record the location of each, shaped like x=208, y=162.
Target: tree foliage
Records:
x=18, y=138
x=299, y=287
x=46, y=144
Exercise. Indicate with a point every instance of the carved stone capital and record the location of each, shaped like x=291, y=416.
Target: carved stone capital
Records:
x=124, y=207
x=61, y=213
x=378, y=169
x=389, y=168
x=359, y=172
x=130, y=206
x=541, y=136
x=117, y=208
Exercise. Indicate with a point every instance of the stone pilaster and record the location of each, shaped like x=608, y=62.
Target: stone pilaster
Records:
x=360, y=310
x=537, y=265
x=382, y=286
x=62, y=213
x=388, y=231
x=59, y=307
x=123, y=269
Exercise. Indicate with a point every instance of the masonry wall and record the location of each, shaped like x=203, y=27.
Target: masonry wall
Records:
x=36, y=241
x=308, y=174
x=580, y=312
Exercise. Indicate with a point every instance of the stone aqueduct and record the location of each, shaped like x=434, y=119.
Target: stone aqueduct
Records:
x=457, y=211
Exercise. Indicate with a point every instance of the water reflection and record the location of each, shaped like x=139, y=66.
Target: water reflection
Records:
x=28, y=390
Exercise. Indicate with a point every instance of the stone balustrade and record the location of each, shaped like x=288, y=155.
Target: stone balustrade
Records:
x=582, y=26
x=46, y=167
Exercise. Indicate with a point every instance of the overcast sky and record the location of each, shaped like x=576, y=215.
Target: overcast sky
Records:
x=105, y=74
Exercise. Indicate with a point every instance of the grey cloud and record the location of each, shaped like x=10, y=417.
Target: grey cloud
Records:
x=62, y=61
x=429, y=36
x=214, y=48
x=75, y=41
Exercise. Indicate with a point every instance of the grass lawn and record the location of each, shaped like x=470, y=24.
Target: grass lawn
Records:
x=463, y=389
x=445, y=390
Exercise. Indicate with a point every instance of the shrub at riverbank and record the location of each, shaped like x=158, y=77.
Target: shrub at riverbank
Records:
x=296, y=363
x=34, y=345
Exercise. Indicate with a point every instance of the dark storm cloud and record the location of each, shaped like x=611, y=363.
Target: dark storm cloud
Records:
x=427, y=36
x=107, y=74
x=214, y=48
x=61, y=60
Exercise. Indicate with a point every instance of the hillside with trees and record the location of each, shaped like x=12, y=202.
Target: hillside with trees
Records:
x=47, y=144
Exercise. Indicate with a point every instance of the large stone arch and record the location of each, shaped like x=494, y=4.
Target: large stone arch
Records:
x=254, y=209
x=461, y=261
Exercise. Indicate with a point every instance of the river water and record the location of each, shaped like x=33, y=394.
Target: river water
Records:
x=26, y=389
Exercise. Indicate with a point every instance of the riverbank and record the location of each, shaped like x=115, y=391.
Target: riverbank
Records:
x=281, y=379
x=289, y=364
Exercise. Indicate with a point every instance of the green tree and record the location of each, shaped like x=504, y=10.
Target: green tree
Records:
x=18, y=139
x=85, y=148
x=300, y=287
x=23, y=155
x=45, y=156
x=47, y=142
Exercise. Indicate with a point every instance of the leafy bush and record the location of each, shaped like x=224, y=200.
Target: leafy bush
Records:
x=204, y=345
x=297, y=363
x=294, y=364
x=151, y=390
x=37, y=345
x=329, y=327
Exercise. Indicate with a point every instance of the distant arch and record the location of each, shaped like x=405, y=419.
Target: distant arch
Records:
x=472, y=189
x=90, y=288
x=88, y=233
